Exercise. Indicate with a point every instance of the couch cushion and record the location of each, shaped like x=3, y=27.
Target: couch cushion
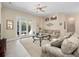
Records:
x=67, y=35
x=76, y=53
x=52, y=51
x=56, y=42
x=69, y=45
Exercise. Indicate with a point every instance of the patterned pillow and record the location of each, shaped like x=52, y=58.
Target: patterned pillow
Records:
x=69, y=45
x=56, y=42
x=76, y=52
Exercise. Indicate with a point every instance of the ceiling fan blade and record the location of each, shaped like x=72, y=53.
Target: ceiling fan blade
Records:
x=37, y=8
x=44, y=7
x=42, y=10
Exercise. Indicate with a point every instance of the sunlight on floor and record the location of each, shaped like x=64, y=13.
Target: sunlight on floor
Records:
x=15, y=49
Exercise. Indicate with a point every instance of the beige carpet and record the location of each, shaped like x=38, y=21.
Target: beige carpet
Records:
x=34, y=49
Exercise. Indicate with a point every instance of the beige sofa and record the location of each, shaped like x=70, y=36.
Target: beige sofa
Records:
x=62, y=47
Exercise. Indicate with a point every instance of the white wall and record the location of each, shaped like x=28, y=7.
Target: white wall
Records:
x=56, y=23
x=36, y=22
x=61, y=18
x=77, y=23
x=75, y=16
x=11, y=14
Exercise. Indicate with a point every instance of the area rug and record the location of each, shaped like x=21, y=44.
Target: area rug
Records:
x=33, y=49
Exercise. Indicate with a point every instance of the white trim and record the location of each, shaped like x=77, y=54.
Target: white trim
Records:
x=11, y=39
x=26, y=20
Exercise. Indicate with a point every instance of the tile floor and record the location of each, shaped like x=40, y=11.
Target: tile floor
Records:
x=15, y=49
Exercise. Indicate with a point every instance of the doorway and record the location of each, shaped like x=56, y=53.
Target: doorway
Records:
x=23, y=27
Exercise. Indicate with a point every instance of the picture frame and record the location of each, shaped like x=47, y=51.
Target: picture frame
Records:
x=47, y=19
x=9, y=24
x=53, y=18
x=60, y=23
x=50, y=24
x=64, y=25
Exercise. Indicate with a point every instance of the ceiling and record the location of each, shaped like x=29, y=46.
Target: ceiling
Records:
x=52, y=7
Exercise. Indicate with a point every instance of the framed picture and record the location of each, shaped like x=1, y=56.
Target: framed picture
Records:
x=60, y=23
x=64, y=25
x=47, y=19
x=50, y=24
x=53, y=17
x=9, y=24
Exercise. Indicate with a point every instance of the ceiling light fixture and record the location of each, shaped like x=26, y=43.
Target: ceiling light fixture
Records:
x=40, y=8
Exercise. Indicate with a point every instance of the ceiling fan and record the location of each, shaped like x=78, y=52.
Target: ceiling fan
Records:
x=40, y=8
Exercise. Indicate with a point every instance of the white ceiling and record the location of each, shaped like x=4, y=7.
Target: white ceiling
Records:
x=53, y=7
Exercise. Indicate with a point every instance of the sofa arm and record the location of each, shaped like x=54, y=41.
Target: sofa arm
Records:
x=51, y=51
x=56, y=42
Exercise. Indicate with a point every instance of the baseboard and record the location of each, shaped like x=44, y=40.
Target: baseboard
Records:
x=12, y=39
x=16, y=38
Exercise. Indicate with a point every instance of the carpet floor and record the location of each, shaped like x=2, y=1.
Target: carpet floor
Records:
x=34, y=49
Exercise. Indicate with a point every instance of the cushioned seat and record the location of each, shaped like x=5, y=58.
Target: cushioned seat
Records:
x=69, y=47
x=48, y=51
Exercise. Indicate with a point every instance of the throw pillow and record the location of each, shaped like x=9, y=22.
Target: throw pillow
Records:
x=69, y=45
x=56, y=42
x=76, y=53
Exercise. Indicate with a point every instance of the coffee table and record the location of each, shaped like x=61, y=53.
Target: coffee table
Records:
x=41, y=37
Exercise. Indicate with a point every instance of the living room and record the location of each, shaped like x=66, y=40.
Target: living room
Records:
x=38, y=29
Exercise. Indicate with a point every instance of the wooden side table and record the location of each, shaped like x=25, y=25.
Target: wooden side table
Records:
x=2, y=47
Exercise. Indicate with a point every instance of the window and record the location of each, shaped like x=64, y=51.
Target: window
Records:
x=9, y=24
x=23, y=26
